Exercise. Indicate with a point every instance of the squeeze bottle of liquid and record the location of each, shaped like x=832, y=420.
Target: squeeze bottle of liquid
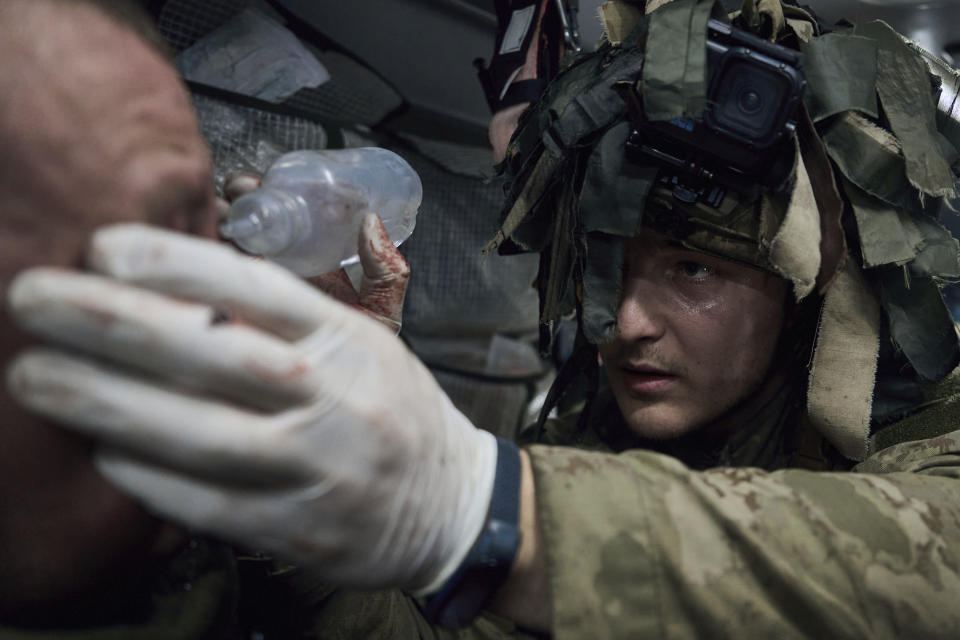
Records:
x=307, y=212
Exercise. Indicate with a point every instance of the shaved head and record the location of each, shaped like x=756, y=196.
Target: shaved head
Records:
x=61, y=106
x=127, y=13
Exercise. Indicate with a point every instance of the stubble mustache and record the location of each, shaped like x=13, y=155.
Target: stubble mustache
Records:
x=648, y=355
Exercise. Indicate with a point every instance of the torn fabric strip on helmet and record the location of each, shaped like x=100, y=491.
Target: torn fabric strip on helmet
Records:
x=619, y=19
x=920, y=323
x=803, y=29
x=614, y=190
x=887, y=234
x=938, y=256
x=596, y=108
x=841, y=75
x=833, y=241
x=796, y=14
x=556, y=276
x=763, y=17
x=524, y=204
x=950, y=153
x=675, y=72
x=795, y=249
x=602, y=282
x=844, y=364
x=611, y=204
x=653, y=5
x=870, y=157
x=903, y=83
x=950, y=139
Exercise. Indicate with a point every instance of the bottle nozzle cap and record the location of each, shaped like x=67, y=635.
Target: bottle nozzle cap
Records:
x=240, y=228
x=264, y=221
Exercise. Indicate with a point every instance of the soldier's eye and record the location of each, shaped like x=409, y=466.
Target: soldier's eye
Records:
x=695, y=270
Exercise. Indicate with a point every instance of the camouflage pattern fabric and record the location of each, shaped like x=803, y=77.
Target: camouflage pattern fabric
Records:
x=642, y=546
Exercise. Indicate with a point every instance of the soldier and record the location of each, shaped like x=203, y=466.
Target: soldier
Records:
x=771, y=451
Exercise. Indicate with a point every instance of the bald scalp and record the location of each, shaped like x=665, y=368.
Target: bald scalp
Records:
x=86, y=88
x=56, y=52
x=126, y=13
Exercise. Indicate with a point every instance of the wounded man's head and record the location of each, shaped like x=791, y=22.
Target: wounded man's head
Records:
x=97, y=129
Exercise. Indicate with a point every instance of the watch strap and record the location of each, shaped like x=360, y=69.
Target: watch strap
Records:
x=487, y=565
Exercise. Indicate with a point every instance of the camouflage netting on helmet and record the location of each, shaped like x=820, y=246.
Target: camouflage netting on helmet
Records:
x=872, y=162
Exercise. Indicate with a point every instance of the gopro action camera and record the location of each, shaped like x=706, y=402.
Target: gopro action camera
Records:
x=754, y=90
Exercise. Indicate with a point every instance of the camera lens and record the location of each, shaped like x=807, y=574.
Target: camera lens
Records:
x=747, y=100
x=750, y=101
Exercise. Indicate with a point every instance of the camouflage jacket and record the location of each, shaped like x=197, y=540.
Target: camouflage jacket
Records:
x=641, y=546
x=646, y=544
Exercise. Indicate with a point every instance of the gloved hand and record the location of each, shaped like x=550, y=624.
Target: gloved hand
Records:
x=300, y=427
x=383, y=284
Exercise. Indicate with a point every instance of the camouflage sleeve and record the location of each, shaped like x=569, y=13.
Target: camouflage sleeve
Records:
x=639, y=546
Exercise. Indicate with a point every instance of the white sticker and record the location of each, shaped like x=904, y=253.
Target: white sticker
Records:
x=517, y=30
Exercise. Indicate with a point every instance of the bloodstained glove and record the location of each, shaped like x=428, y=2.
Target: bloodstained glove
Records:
x=383, y=283
x=232, y=397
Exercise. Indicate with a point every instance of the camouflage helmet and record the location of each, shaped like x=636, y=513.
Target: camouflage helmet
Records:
x=846, y=209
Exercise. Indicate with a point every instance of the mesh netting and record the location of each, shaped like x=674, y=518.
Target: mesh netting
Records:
x=459, y=306
x=244, y=139
x=453, y=291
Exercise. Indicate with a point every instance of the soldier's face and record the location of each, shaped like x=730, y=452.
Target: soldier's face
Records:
x=97, y=130
x=697, y=336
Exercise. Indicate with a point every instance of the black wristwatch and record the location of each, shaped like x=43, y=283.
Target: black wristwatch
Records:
x=488, y=562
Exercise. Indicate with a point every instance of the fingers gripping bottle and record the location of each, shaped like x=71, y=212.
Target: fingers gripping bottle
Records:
x=307, y=213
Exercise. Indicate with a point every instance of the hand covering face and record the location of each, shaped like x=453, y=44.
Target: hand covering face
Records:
x=232, y=397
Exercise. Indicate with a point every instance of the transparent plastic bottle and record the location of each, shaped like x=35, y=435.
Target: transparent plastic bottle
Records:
x=307, y=213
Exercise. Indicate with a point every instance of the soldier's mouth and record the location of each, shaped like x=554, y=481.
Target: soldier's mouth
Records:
x=642, y=380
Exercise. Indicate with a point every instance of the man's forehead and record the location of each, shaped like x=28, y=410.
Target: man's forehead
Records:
x=73, y=54
x=97, y=125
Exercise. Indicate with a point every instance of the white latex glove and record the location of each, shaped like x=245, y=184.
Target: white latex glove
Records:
x=301, y=427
